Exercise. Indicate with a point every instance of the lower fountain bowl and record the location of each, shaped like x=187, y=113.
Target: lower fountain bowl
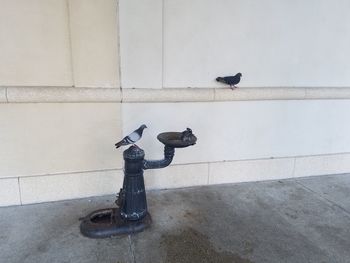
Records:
x=108, y=223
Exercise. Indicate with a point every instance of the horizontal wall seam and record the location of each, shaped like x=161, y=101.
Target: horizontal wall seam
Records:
x=37, y=189
x=85, y=94
x=63, y=173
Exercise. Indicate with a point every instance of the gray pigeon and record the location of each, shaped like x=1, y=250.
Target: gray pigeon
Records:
x=186, y=134
x=230, y=80
x=132, y=137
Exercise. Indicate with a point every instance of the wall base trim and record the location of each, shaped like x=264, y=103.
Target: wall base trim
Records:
x=46, y=188
x=72, y=94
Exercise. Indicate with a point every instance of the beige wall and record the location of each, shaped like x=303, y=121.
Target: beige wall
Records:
x=66, y=75
x=52, y=151
x=35, y=45
x=245, y=130
x=50, y=138
x=273, y=43
x=59, y=43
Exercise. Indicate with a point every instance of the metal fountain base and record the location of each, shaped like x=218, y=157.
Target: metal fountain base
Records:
x=108, y=222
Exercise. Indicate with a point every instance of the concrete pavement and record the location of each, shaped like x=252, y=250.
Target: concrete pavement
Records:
x=296, y=220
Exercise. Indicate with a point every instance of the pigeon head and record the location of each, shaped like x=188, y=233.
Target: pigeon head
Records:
x=219, y=79
x=239, y=74
x=140, y=129
x=188, y=130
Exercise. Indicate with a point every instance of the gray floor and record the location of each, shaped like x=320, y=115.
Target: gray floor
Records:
x=304, y=220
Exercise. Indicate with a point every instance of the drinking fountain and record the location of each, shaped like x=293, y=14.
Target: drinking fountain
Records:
x=130, y=214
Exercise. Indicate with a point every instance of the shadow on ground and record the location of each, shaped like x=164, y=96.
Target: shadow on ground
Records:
x=192, y=246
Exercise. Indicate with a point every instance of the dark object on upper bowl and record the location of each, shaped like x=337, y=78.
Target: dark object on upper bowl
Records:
x=178, y=139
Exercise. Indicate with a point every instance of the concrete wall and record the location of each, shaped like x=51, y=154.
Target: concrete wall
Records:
x=272, y=42
x=244, y=130
x=46, y=48
x=59, y=43
x=70, y=66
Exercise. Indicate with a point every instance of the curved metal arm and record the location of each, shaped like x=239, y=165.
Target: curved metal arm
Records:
x=156, y=164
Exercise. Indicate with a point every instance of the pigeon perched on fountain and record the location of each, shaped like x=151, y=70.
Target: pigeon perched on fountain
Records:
x=188, y=137
x=230, y=80
x=132, y=137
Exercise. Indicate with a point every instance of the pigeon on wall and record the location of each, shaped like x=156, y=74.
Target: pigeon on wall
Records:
x=132, y=137
x=230, y=80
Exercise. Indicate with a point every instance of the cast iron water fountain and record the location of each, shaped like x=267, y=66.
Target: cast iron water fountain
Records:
x=130, y=214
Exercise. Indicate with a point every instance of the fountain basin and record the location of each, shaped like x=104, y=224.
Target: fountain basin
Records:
x=175, y=140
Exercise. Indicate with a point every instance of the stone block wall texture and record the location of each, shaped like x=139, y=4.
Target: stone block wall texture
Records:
x=76, y=75
x=59, y=43
x=273, y=43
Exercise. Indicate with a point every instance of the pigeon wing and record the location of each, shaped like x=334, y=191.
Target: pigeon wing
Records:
x=130, y=139
x=134, y=137
x=126, y=141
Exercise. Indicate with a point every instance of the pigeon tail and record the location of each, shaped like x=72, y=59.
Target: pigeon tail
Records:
x=119, y=144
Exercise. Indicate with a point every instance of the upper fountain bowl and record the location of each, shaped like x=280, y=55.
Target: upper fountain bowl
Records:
x=178, y=139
